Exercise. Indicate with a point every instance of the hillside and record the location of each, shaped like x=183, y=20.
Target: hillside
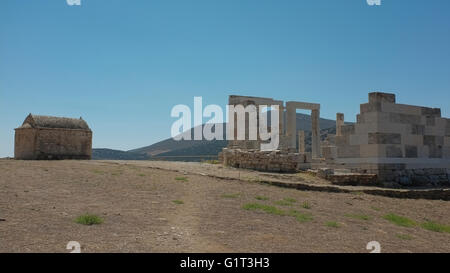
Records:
x=109, y=154
x=197, y=150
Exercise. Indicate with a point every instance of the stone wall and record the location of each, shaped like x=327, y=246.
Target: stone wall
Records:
x=24, y=143
x=275, y=161
x=400, y=143
x=43, y=143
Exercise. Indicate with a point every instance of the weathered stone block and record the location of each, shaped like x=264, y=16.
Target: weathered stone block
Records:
x=391, y=167
x=417, y=129
x=435, y=151
x=329, y=152
x=373, y=117
x=433, y=140
x=401, y=109
x=384, y=138
x=446, y=152
x=447, y=141
x=373, y=150
x=370, y=107
x=358, y=139
x=375, y=97
x=409, y=139
x=324, y=172
x=419, y=180
x=447, y=128
x=348, y=129
x=364, y=128
x=423, y=151
x=348, y=151
x=411, y=151
x=430, y=121
x=431, y=112
x=394, y=151
x=404, y=118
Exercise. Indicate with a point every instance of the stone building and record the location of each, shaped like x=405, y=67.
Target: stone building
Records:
x=45, y=137
x=399, y=143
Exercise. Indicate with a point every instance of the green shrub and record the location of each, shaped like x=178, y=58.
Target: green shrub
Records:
x=404, y=236
x=399, y=220
x=232, y=195
x=265, y=208
x=306, y=205
x=89, y=219
x=436, y=227
x=332, y=224
x=301, y=217
x=358, y=216
x=181, y=178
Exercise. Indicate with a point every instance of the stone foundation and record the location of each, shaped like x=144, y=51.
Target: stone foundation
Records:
x=275, y=161
x=347, y=178
x=428, y=177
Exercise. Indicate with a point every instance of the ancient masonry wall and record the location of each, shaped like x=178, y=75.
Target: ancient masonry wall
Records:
x=275, y=161
x=24, y=143
x=32, y=143
x=400, y=143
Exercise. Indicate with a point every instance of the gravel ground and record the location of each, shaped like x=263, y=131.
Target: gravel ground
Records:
x=40, y=200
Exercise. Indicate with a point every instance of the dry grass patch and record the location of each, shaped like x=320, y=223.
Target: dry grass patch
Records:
x=285, y=202
x=231, y=195
x=117, y=173
x=96, y=171
x=300, y=217
x=404, y=237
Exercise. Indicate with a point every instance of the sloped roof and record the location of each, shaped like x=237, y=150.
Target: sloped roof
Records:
x=37, y=121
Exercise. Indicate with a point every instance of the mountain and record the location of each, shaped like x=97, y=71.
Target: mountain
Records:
x=197, y=150
x=169, y=145
x=109, y=154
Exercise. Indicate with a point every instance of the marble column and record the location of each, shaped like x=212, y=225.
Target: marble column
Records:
x=291, y=125
x=315, y=115
x=339, y=123
x=301, y=142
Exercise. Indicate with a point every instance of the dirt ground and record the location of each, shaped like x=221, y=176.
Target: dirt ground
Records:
x=40, y=200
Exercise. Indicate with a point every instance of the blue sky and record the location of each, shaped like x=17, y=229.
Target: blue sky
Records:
x=122, y=65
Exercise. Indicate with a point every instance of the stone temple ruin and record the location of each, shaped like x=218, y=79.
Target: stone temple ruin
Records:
x=390, y=144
